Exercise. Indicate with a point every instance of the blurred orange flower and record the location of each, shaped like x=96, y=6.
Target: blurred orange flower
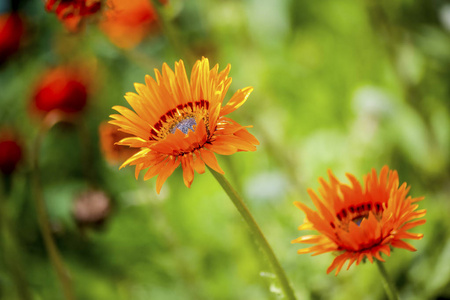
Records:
x=109, y=136
x=11, y=33
x=10, y=152
x=177, y=121
x=359, y=223
x=72, y=13
x=62, y=88
x=127, y=23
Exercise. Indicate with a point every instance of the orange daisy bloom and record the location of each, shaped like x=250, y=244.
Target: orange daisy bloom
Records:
x=180, y=121
x=359, y=223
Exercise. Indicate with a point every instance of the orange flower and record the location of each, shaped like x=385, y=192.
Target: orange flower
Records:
x=360, y=223
x=63, y=88
x=109, y=136
x=11, y=32
x=177, y=121
x=127, y=23
x=72, y=13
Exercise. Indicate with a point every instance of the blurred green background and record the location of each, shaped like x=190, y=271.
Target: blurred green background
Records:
x=342, y=85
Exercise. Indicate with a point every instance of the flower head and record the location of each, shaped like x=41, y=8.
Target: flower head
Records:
x=11, y=33
x=360, y=222
x=10, y=152
x=72, y=13
x=62, y=88
x=177, y=121
x=127, y=23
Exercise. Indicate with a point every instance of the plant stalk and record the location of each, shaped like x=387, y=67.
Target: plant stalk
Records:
x=391, y=291
x=43, y=220
x=10, y=246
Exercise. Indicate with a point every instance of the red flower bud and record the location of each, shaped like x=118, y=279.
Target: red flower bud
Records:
x=11, y=32
x=10, y=154
x=72, y=13
x=61, y=89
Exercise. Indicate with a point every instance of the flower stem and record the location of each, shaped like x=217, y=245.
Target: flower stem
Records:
x=257, y=233
x=387, y=283
x=43, y=220
x=10, y=247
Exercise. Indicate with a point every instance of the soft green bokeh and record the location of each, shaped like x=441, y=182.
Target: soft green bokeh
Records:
x=341, y=85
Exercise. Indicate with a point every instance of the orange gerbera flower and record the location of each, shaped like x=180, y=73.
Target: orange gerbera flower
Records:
x=127, y=23
x=360, y=223
x=177, y=121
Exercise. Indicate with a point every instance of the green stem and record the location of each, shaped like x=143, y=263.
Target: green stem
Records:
x=44, y=224
x=11, y=249
x=387, y=283
x=257, y=233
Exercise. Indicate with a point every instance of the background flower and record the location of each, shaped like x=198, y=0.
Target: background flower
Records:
x=11, y=34
x=109, y=137
x=72, y=13
x=91, y=208
x=10, y=152
x=127, y=23
x=62, y=88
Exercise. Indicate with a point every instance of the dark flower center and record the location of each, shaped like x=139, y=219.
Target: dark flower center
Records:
x=358, y=213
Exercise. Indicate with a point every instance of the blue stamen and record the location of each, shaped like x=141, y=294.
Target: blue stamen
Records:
x=359, y=219
x=184, y=125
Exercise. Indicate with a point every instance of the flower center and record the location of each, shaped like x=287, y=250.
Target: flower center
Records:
x=358, y=213
x=184, y=125
x=183, y=117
